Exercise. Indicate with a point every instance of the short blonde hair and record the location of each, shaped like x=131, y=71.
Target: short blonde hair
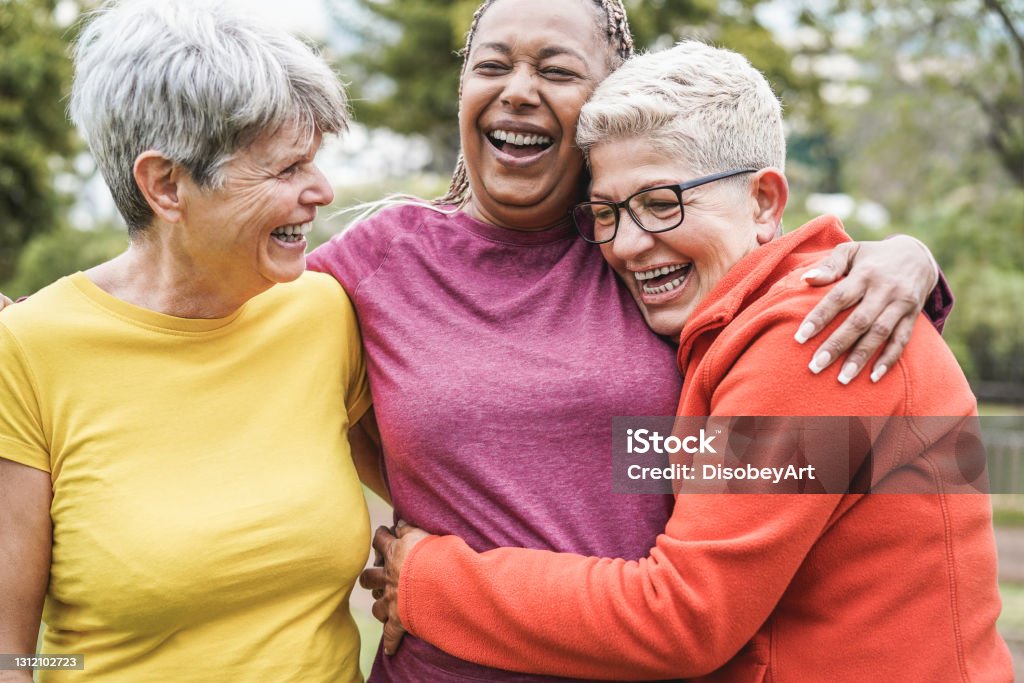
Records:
x=705, y=105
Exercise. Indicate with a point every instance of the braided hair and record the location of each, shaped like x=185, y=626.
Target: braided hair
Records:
x=614, y=22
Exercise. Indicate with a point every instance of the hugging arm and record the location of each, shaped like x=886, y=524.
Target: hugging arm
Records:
x=683, y=611
x=891, y=281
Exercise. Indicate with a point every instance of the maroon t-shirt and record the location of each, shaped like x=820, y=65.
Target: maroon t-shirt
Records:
x=497, y=360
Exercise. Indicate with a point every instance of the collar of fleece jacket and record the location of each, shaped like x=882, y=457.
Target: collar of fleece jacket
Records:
x=751, y=277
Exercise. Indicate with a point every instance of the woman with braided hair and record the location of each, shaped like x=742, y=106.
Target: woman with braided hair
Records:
x=498, y=344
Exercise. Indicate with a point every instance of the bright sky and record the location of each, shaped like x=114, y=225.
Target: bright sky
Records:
x=308, y=17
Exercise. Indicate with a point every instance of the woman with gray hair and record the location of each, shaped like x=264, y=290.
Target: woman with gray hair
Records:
x=811, y=579
x=175, y=478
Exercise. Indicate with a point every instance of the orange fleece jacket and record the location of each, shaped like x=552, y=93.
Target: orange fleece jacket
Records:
x=751, y=587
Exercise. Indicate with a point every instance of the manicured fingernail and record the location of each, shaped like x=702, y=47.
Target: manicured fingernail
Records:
x=819, y=362
x=879, y=373
x=804, y=333
x=813, y=272
x=848, y=371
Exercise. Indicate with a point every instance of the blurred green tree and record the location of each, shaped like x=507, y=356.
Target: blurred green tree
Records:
x=937, y=136
x=406, y=72
x=34, y=133
x=947, y=81
x=62, y=251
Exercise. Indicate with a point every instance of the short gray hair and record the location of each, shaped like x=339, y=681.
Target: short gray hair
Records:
x=703, y=105
x=195, y=81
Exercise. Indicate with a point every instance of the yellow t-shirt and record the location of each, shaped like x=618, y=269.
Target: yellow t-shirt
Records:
x=208, y=524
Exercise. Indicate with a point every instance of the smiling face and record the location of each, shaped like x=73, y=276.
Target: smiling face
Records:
x=251, y=231
x=670, y=273
x=532, y=66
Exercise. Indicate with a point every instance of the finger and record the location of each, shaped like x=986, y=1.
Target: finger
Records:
x=372, y=578
x=393, y=634
x=877, y=335
x=377, y=593
x=833, y=266
x=403, y=529
x=842, y=296
x=382, y=540
x=894, y=349
x=380, y=611
x=856, y=325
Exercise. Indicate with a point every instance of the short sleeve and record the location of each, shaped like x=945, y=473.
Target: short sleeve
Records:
x=351, y=256
x=356, y=385
x=22, y=439
x=940, y=303
x=355, y=254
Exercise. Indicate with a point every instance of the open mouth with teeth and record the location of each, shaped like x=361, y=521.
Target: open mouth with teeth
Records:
x=664, y=279
x=519, y=144
x=290, y=234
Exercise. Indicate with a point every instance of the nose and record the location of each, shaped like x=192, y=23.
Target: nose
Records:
x=318, y=192
x=520, y=88
x=631, y=241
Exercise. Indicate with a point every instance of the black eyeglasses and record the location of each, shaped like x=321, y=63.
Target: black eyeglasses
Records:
x=656, y=209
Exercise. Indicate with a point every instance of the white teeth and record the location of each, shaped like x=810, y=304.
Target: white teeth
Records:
x=520, y=139
x=657, y=272
x=667, y=287
x=642, y=276
x=293, y=231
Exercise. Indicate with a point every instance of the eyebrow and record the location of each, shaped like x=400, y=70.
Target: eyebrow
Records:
x=545, y=53
x=288, y=157
x=647, y=186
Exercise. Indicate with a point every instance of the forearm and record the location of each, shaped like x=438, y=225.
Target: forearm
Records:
x=25, y=538
x=364, y=441
x=683, y=611
x=939, y=303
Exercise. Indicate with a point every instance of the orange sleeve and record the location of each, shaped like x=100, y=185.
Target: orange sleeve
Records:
x=707, y=586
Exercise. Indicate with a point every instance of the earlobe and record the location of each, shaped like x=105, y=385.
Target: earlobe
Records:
x=771, y=192
x=158, y=179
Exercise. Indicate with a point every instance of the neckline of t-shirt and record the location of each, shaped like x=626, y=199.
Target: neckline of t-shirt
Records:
x=160, y=322
x=526, y=238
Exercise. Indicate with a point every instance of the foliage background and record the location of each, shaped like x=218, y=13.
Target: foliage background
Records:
x=913, y=110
